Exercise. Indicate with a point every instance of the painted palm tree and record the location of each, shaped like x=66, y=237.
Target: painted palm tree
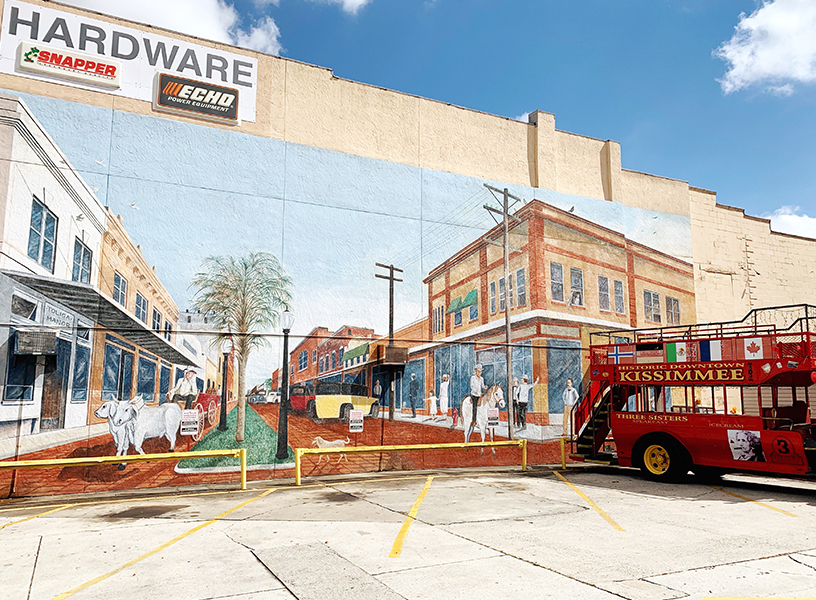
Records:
x=244, y=297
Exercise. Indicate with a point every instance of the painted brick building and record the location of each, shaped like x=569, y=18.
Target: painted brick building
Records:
x=568, y=277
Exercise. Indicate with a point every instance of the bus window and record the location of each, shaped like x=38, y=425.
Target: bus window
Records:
x=733, y=400
x=766, y=399
x=784, y=396
x=811, y=395
x=750, y=401
x=719, y=399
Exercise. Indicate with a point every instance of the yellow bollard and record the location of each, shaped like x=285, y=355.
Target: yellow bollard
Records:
x=563, y=454
x=297, y=465
x=242, y=455
x=523, y=455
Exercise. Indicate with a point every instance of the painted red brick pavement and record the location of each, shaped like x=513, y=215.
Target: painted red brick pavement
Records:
x=302, y=432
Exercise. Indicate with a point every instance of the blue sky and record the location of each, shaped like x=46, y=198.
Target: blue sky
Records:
x=642, y=72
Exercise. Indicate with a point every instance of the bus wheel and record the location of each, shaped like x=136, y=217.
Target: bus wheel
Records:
x=345, y=413
x=311, y=409
x=662, y=459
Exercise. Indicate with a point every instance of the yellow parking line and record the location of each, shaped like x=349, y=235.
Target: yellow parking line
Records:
x=48, y=512
x=757, y=598
x=396, y=549
x=784, y=512
x=158, y=549
x=590, y=502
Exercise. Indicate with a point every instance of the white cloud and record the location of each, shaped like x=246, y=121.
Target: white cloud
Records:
x=788, y=219
x=781, y=90
x=524, y=117
x=215, y=20
x=774, y=44
x=349, y=6
x=264, y=37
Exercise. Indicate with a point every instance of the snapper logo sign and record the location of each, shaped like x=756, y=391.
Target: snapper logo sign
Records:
x=71, y=65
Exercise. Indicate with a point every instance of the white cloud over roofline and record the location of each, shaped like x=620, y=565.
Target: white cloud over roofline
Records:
x=775, y=45
x=789, y=219
x=216, y=20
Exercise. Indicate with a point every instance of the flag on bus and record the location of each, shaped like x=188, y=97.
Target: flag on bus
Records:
x=676, y=352
x=622, y=355
x=711, y=351
x=648, y=353
x=755, y=348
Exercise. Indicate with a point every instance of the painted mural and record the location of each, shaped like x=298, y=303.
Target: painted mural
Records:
x=150, y=266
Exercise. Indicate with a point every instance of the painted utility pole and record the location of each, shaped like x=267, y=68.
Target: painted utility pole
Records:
x=391, y=279
x=506, y=218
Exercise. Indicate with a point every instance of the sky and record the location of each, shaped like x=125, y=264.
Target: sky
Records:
x=719, y=93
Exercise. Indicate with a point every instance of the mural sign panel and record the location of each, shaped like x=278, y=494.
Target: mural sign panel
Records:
x=355, y=421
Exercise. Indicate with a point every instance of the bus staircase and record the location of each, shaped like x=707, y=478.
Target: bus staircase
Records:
x=594, y=429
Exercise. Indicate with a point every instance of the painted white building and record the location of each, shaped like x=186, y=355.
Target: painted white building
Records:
x=51, y=226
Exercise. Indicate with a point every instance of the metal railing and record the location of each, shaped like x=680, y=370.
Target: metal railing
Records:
x=300, y=452
x=107, y=460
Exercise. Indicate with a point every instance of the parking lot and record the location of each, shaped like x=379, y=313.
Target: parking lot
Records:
x=587, y=532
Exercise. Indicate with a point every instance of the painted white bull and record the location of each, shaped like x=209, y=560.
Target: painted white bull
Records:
x=490, y=399
x=122, y=434
x=149, y=421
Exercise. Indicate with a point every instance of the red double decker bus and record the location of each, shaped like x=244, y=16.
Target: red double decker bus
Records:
x=708, y=398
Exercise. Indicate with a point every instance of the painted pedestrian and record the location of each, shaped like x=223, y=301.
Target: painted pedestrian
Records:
x=443, y=397
x=521, y=398
x=413, y=394
x=570, y=397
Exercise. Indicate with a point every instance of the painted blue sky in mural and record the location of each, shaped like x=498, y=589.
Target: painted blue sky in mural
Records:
x=644, y=73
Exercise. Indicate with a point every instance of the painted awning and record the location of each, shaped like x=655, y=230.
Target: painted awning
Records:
x=457, y=304
x=472, y=299
x=95, y=307
x=360, y=350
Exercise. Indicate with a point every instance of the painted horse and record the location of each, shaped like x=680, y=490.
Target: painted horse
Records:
x=490, y=399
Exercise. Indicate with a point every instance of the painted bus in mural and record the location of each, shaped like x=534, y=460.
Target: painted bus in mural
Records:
x=707, y=398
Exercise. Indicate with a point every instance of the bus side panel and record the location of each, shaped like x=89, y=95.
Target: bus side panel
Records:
x=629, y=427
x=726, y=441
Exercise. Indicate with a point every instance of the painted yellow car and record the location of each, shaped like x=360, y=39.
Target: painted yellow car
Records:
x=336, y=400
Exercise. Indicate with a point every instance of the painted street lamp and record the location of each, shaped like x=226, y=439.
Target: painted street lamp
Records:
x=226, y=348
x=287, y=319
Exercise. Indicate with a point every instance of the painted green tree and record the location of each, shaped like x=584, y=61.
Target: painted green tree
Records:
x=244, y=296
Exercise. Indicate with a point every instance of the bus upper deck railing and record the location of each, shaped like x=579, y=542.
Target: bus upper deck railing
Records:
x=777, y=320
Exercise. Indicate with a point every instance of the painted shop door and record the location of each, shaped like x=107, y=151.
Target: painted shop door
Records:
x=55, y=387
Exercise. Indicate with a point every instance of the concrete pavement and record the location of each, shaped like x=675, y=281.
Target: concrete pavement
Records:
x=595, y=533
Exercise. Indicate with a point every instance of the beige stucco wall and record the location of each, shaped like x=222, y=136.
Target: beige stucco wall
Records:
x=740, y=264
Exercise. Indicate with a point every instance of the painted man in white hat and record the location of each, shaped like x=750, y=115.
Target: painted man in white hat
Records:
x=185, y=389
